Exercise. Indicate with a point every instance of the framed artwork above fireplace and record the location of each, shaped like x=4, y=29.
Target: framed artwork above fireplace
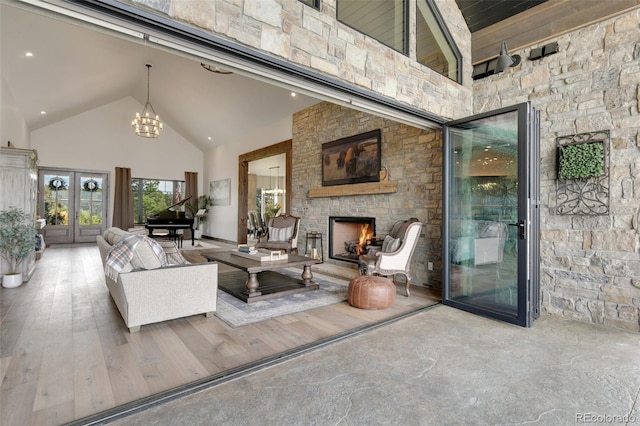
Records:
x=354, y=159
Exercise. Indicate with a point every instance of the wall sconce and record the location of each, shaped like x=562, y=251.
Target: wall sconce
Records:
x=505, y=61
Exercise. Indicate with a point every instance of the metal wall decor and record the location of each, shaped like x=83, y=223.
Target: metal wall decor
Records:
x=584, y=196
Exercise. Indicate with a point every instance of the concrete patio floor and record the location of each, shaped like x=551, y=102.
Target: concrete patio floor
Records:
x=439, y=367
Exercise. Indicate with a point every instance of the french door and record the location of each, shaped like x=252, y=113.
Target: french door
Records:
x=491, y=214
x=73, y=203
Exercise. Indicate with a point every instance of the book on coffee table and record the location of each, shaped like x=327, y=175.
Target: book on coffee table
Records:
x=262, y=255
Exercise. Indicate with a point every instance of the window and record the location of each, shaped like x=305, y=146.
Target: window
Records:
x=386, y=21
x=434, y=45
x=313, y=3
x=151, y=196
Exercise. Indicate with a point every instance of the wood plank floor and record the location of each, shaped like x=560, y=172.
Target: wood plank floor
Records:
x=65, y=352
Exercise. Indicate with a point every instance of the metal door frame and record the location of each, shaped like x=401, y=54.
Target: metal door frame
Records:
x=528, y=216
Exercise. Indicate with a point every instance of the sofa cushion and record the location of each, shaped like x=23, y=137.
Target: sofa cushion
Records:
x=114, y=235
x=174, y=256
x=390, y=244
x=280, y=234
x=148, y=254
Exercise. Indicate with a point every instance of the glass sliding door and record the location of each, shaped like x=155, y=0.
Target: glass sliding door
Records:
x=491, y=214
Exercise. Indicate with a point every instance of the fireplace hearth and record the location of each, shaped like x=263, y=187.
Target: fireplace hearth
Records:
x=349, y=236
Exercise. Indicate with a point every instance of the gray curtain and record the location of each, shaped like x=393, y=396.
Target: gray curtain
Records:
x=123, y=199
x=191, y=190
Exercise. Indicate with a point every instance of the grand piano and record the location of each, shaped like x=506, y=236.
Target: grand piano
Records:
x=171, y=220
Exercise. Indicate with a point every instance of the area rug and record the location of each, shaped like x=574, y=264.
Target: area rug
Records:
x=236, y=313
x=199, y=245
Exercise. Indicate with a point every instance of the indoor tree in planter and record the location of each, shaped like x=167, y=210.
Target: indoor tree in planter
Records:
x=17, y=241
x=203, y=203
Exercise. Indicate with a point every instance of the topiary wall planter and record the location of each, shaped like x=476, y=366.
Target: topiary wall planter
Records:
x=583, y=174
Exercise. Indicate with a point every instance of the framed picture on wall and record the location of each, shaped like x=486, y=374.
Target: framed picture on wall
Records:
x=220, y=192
x=354, y=159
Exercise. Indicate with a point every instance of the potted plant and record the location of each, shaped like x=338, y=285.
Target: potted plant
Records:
x=17, y=242
x=201, y=206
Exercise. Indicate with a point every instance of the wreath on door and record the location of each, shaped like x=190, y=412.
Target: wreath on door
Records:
x=57, y=184
x=91, y=186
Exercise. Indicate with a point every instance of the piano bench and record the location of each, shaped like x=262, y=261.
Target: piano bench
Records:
x=171, y=236
x=176, y=238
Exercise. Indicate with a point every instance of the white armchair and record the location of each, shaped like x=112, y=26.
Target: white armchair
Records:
x=397, y=261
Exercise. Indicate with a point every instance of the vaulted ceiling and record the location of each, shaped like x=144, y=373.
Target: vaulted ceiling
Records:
x=74, y=69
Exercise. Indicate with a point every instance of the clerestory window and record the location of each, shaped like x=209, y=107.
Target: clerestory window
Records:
x=313, y=3
x=435, y=47
x=385, y=20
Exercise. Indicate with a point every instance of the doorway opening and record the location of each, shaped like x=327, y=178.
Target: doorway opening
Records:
x=279, y=153
x=73, y=203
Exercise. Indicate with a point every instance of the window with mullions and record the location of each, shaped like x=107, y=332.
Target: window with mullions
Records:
x=313, y=3
x=386, y=20
x=435, y=47
x=150, y=196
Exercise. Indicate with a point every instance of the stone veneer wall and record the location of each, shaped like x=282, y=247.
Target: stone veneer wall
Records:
x=302, y=35
x=590, y=267
x=413, y=158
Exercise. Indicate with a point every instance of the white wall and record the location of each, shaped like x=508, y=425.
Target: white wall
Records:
x=103, y=139
x=12, y=125
x=222, y=163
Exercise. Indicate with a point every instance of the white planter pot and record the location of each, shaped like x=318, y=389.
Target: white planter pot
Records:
x=12, y=281
x=197, y=234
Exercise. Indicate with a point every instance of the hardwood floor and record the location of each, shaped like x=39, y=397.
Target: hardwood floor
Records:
x=65, y=352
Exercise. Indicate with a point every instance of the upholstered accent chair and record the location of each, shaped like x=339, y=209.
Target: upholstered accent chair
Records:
x=252, y=228
x=395, y=256
x=282, y=234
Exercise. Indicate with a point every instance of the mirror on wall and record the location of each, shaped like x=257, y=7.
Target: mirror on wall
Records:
x=266, y=195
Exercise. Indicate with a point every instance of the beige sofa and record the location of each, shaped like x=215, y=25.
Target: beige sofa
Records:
x=146, y=292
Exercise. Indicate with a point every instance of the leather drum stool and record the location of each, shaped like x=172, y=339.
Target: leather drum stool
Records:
x=371, y=292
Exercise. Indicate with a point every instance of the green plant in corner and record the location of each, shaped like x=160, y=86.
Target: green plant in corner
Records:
x=581, y=160
x=203, y=203
x=17, y=237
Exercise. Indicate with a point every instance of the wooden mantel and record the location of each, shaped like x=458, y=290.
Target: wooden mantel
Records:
x=367, y=188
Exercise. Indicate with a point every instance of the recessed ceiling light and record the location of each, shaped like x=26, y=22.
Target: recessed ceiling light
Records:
x=209, y=137
x=43, y=112
x=293, y=94
x=28, y=54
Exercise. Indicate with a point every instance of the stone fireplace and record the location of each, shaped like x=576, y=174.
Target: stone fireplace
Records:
x=413, y=158
x=348, y=236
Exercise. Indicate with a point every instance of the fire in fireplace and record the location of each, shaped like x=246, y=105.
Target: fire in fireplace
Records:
x=349, y=236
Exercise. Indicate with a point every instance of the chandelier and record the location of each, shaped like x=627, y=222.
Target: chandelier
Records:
x=147, y=124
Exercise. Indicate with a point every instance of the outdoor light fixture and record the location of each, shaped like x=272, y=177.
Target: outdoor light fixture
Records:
x=147, y=124
x=504, y=60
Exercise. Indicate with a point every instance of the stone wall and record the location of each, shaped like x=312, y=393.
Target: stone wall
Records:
x=413, y=158
x=302, y=35
x=590, y=267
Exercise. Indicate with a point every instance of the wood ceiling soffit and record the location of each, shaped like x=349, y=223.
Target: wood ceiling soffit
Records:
x=547, y=20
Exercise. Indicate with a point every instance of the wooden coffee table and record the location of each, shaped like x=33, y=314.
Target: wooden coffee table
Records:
x=257, y=280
